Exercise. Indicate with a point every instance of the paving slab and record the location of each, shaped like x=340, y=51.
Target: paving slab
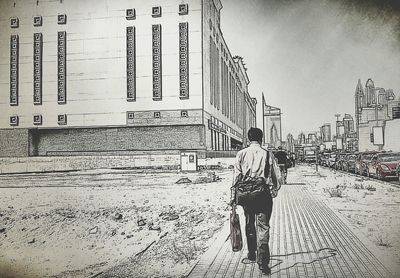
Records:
x=307, y=239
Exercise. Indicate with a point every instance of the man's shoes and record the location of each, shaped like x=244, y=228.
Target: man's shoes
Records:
x=251, y=256
x=265, y=269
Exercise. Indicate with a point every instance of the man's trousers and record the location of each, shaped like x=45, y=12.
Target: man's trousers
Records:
x=257, y=229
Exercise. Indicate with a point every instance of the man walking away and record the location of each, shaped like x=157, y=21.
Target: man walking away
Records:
x=251, y=163
x=282, y=158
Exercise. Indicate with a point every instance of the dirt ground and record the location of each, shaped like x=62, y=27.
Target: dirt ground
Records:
x=81, y=224
x=92, y=223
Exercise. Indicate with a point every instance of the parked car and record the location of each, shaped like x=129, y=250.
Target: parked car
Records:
x=361, y=162
x=398, y=171
x=383, y=165
x=349, y=163
x=331, y=160
x=323, y=159
x=339, y=160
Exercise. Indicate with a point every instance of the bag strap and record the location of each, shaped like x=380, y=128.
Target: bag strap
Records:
x=267, y=165
x=234, y=209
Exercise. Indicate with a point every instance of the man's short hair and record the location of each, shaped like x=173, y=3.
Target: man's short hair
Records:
x=255, y=134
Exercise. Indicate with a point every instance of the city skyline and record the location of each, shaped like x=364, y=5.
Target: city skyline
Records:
x=307, y=56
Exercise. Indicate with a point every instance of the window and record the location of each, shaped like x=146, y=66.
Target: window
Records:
x=183, y=9
x=37, y=119
x=14, y=45
x=62, y=119
x=157, y=114
x=156, y=11
x=14, y=120
x=184, y=113
x=130, y=14
x=183, y=61
x=14, y=22
x=130, y=115
x=37, y=21
x=157, y=67
x=61, y=65
x=131, y=63
x=37, y=68
x=62, y=19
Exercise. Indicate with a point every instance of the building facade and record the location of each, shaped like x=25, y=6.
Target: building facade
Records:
x=377, y=114
x=272, y=125
x=119, y=77
x=326, y=132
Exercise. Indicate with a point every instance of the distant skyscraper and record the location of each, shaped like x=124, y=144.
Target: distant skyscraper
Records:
x=272, y=126
x=326, y=132
x=348, y=124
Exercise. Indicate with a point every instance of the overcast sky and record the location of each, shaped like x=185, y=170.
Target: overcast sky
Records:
x=307, y=55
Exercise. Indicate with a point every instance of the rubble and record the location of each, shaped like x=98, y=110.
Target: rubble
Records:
x=141, y=222
x=94, y=230
x=2, y=230
x=117, y=216
x=183, y=180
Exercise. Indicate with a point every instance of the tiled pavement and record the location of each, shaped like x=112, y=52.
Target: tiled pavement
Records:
x=307, y=240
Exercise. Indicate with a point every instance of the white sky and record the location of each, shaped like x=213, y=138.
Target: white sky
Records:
x=307, y=56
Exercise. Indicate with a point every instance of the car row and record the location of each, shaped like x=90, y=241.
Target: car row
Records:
x=381, y=165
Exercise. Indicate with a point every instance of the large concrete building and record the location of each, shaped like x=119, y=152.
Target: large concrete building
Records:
x=377, y=115
x=119, y=77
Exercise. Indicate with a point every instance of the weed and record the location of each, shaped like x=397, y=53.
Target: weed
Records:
x=380, y=241
x=370, y=188
x=335, y=192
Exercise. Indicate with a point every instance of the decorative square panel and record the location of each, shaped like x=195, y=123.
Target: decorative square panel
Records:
x=37, y=20
x=184, y=113
x=14, y=22
x=157, y=114
x=130, y=115
x=183, y=61
x=62, y=67
x=14, y=120
x=156, y=11
x=130, y=14
x=14, y=69
x=130, y=63
x=62, y=19
x=183, y=9
x=62, y=119
x=37, y=68
x=37, y=119
x=157, y=68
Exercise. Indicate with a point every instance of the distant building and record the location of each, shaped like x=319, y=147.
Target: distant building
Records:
x=377, y=115
x=100, y=77
x=348, y=124
x=326, y=132
x=272, y=125
x=301, y=138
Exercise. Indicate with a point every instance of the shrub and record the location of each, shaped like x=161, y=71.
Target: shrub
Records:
x=335, y=192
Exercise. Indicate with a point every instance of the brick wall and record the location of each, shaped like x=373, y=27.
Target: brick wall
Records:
x=50, y=164
x=119, y=141
x=14, y=142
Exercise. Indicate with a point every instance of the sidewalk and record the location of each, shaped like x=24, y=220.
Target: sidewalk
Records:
x=307, y=239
